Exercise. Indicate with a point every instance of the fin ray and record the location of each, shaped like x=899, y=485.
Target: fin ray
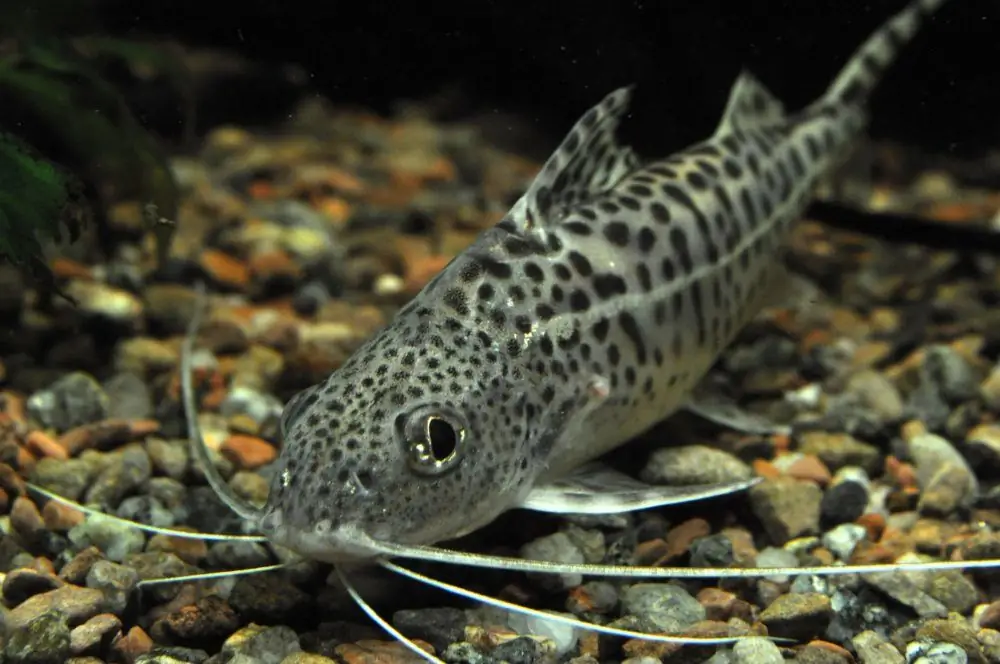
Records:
x=597, y=489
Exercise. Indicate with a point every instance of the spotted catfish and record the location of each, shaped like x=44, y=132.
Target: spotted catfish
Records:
x=589, y=313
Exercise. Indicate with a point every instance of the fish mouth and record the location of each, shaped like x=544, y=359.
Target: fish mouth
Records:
x=324, y=542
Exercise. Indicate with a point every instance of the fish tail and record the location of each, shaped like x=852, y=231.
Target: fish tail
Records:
x=866, y=67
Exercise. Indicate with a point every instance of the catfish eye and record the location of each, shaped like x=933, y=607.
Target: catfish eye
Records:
x=438, y=446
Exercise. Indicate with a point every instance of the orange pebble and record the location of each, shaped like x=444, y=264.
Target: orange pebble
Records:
x=44, y=445
x=248, y=452
x=874, y=524
x=765, y=469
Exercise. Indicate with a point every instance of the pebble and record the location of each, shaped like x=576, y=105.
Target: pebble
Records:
x=145, y=509
x=919, y=652
x=873, y=649
x=244, y=400
x=95, y=634
x=799, y=616
x=438, y=627
x=45, y=639
x=209, y=619
x=786, y=507
x=593, y=597
x=126, y=469
x=667, y=607
x=71, y=401
x=712, y=551
x=269, y=599
x=693, y=464
x=20, y=584
x=260, y=645
x=947, y=481
x=901, y=588
x=950, y=373
x=875, y=392
x=842, y=540
x=847, y=497
x=248, y=452
x=76, y=603
x=559, y=636
x=557, y=548
x=117, y=582
x=115, y=539
x=169, y=457
x=756, y=650
x=837, y=450
x=982, y=447
x=128, y=397
x=773, y=556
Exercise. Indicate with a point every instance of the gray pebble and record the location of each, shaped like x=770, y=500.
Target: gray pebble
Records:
x=71, y=401
x=774, y=557
x=128, y=397
x=874, y=391
x=115, y=539
x=521, y=650
x=557, y=548
x=464, y=652
x=589, y=541
x=920, y=652
x=756, y=650
x=438, y=627
x=170, y=457
x=693, y=464
x=947, y=481
x=712, y=551
x=602, y=597
x=843, y=539
x=950, y=373
x=127, y=469
x=668, y=607
x=68, y=478
x=145, y=509
x=44, y=640
x=117, y=582
x=901, y=588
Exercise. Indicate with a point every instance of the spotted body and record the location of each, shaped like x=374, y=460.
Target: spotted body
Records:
x=584, y=317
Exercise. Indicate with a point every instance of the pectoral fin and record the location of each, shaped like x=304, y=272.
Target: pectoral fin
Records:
x=708, y=402
x=597, y=489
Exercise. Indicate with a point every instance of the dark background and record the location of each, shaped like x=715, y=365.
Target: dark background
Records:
x=551, y=59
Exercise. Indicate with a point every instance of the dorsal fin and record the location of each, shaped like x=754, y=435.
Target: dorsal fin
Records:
x=588, y=162
x=750, y=103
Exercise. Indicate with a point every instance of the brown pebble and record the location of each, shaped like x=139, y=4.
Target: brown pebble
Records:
x=648, y=552
x=106, y=434
x=133, y=644
x=20, y=584
x=209, y=619
x=11, y=482
x=76, y=603
x=26, y=519
x=809, y=467
x=380, y=652
x=60, y=518
x=191, y=551
x=44, y=445
x=874, y=524
x=679, y=538
x=248, y=452
x=76, y=570
x=722, y=605
x=990, y=617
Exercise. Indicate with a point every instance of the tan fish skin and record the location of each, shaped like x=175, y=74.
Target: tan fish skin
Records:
x=584, y=317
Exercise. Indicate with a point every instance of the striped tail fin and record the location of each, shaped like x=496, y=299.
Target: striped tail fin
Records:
x=865, y=68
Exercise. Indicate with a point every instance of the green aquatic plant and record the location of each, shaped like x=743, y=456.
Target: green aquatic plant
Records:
x=71, y=145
